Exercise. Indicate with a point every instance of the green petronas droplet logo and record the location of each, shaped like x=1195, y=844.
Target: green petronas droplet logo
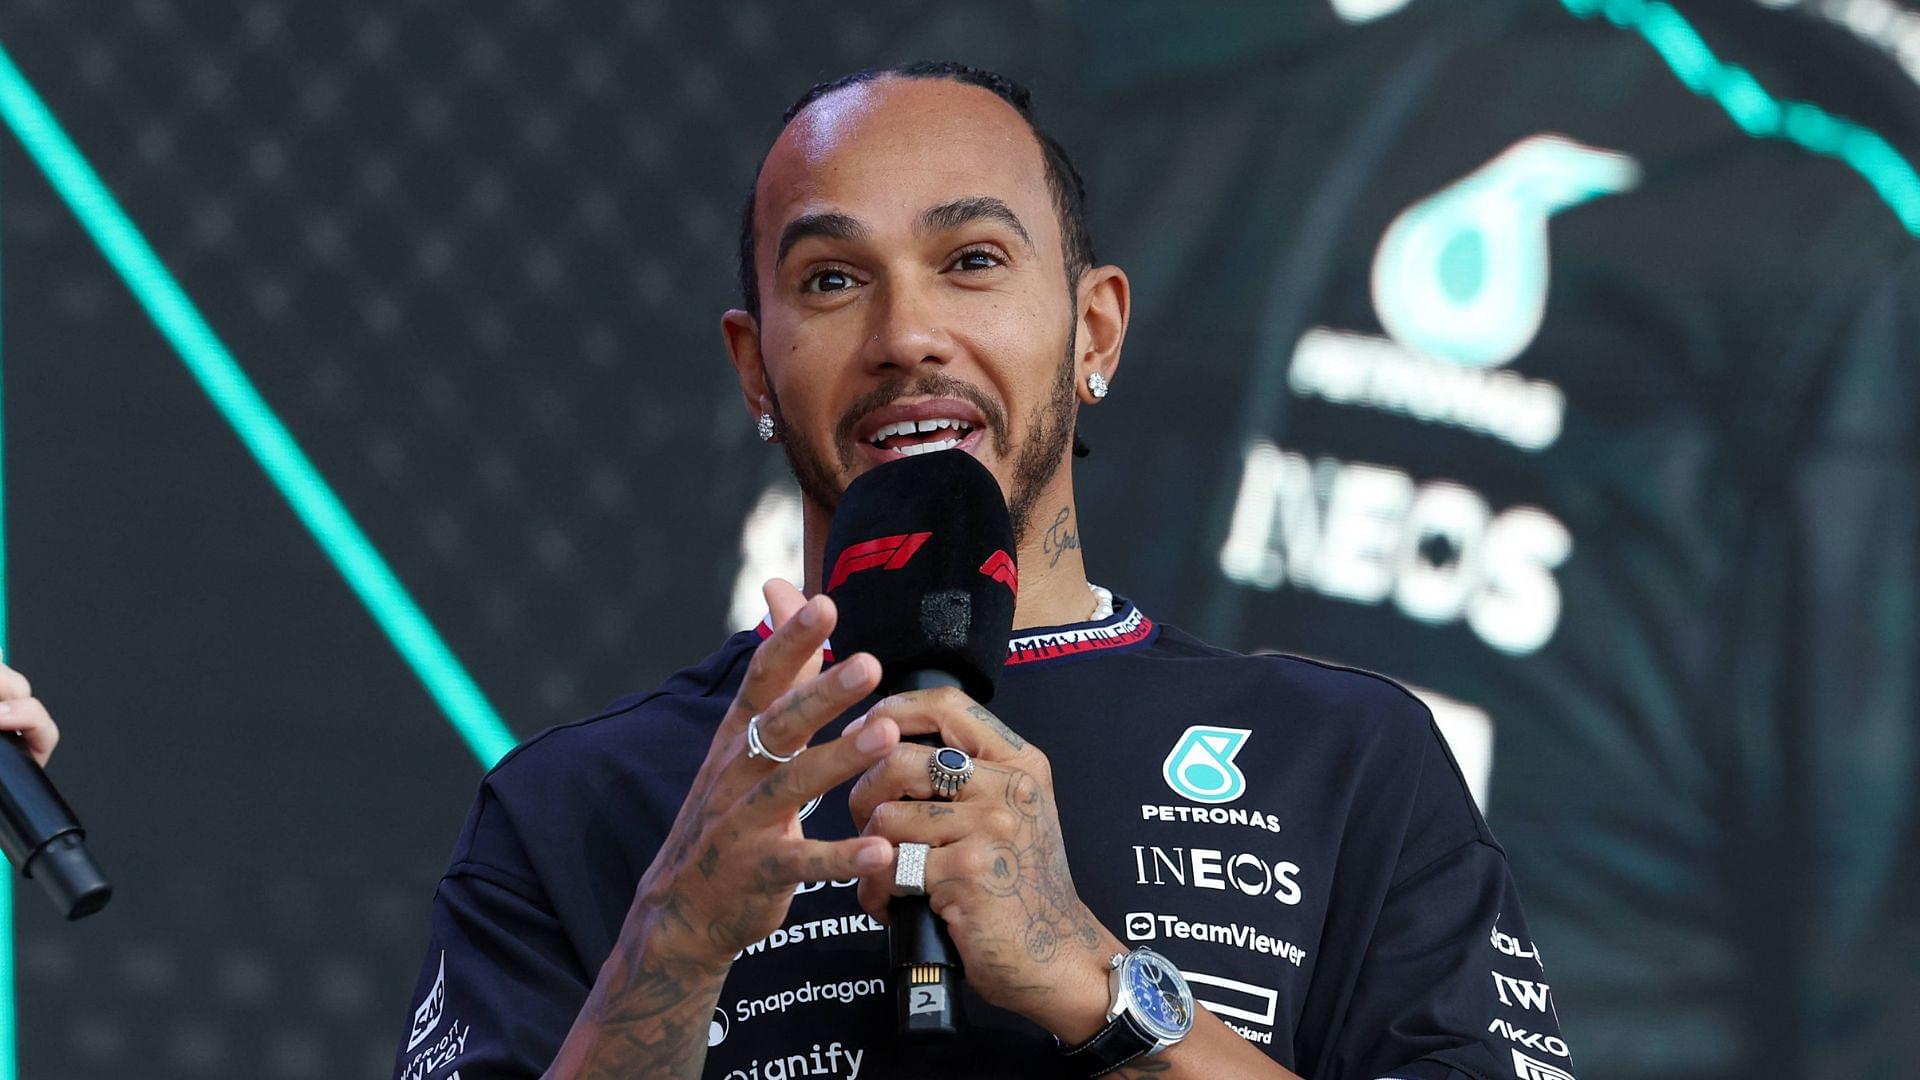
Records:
x=1201, y=767
x=1462, y=275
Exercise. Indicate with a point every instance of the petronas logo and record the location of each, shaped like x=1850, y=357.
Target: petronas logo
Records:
x=1201, y=765
x=1461, y=275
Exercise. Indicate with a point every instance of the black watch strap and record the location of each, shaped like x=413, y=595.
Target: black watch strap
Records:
x=1111, y=1047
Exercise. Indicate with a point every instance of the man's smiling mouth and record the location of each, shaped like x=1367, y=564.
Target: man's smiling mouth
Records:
x=946, y=418
x=911, y=437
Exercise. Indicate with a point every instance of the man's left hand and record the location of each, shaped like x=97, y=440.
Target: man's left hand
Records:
x=997, y=871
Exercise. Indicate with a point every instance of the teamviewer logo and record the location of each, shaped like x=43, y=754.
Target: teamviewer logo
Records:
x=1140, y=926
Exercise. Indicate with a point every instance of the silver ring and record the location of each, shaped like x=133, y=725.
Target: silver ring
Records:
x=910, y=872
x=949, y=768
x=756, y=748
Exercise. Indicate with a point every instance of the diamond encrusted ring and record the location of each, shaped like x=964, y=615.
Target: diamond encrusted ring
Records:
x=910, y=873
x=949, y=769
x=756, y=748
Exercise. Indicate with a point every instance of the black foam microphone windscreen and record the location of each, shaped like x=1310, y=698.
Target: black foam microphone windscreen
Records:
x=920, y=564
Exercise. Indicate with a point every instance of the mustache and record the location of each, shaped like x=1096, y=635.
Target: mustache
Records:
x=931, y=385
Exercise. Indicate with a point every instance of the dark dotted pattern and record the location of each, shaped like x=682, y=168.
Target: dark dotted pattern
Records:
x=475, y=260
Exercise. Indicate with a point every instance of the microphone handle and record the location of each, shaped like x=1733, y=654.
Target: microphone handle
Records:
x=926, y=965
x=42, y=838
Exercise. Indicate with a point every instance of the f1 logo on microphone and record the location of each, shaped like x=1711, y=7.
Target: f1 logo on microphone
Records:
x=999, y=566
x=886, y=553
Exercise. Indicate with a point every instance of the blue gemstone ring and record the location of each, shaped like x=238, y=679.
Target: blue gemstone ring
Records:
x=949, y=769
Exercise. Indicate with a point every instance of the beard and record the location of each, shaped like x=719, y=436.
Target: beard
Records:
x=1038, y=458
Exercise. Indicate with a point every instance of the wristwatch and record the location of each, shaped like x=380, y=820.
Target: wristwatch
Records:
x=1152, y=1009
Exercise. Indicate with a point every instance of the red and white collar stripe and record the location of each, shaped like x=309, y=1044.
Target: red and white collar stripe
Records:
x=1127, y=626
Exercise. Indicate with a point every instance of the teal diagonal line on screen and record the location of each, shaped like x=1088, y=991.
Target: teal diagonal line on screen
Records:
x=305, y=490
x=1758, y=112
x=9, y=1065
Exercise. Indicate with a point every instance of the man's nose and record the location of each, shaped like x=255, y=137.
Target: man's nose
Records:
x=908, y=330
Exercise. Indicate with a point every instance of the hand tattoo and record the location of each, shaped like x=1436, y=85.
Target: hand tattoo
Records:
x=994, y=723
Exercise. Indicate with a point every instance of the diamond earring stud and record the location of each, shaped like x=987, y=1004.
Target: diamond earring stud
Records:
x=764, y=426
x=1096, y=385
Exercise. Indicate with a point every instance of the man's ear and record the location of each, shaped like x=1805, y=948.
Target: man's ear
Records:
x=742, y=333
x=1106, y=302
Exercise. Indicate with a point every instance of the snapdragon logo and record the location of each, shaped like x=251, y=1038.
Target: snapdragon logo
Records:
x=845, y=991
x=1200, y=766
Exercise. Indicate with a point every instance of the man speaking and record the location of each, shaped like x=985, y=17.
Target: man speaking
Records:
x=1152, y=855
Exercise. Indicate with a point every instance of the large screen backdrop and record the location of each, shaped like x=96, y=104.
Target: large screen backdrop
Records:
x=365, y=410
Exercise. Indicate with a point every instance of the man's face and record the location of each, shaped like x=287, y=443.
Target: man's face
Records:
x=911, y=277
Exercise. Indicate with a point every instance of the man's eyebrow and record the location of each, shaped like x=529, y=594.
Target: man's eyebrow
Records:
x=831, y=226
x=952, y=215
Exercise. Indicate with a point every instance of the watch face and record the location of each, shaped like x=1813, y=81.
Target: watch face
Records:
x=1158, y=994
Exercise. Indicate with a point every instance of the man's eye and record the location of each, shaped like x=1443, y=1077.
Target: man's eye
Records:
x=828, y=281
x=975, y=260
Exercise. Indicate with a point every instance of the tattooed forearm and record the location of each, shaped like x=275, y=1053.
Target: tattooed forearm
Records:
x=645, y=1017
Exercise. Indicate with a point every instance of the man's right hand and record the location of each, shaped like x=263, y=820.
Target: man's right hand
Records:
x=730, y=865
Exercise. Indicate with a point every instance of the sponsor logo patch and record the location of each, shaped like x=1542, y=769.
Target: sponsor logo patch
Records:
x=846, y=990
x=442, y=1051
x=1150, y=926
x=1532, y=1040
x=426, y=1017
x=1527, y=1068
x=1211, y=815
x=833, y=1059
x=814, y=930
x=1512, y=991
x=1211, y=868
x=1200, y=767
x=1508, y=945
x=1230, y=997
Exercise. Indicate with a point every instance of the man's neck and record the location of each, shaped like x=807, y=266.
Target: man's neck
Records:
x=1053, y=579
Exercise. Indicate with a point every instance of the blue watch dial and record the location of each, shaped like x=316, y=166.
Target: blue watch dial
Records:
x=1158, y=995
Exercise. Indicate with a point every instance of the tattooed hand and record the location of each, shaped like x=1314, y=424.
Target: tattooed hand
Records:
x=997, y=872
x=727, y=872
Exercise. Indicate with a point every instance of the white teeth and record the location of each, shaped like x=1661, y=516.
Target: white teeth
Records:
x=909, y=427
x=928, y=448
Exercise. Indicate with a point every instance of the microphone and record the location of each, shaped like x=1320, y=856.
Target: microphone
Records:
x=41, y=836
x=920, y=565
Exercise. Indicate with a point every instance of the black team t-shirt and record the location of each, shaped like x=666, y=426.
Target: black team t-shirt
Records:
x=1295, y=836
